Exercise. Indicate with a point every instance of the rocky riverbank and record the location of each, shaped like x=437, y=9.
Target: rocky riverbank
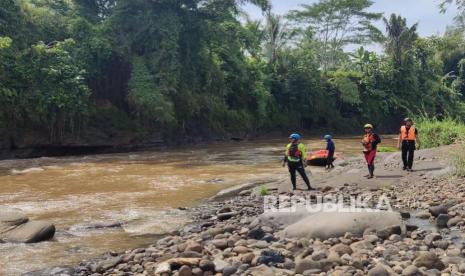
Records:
x=229, y=237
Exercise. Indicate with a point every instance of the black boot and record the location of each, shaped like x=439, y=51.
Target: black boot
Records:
x=371, y=169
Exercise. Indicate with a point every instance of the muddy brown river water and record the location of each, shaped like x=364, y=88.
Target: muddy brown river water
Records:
x=141, y=190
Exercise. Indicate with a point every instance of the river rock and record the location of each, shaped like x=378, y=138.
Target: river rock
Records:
x=220, y=243
x=462, y=267
x=207, y=265
x=378, y=270
x=261, y=270
x=269, y=257
x=441, y=220
x=229, y=270
x=256, y=234
x=341, y=249
x=327, y=225
x=437, y=210
x=16, y=227
x=386, y=232
x=429, y=260
x=411, y=270
x=430, y=238
x=454, y=221
x=193, y=246
x=185, y=271
x=226, y=216
x=54, y=271
x=306, y=264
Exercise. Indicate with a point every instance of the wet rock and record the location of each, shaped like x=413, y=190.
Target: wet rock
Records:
x=429, y=260
x=441, y=220
x=16, y=227
x=437, y=210
x=270, y=257
x=97, y=225
x=378, y=270
x=306, y=264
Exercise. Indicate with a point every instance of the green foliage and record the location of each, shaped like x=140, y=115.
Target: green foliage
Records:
x=387, y=149
x=150, y=105
x=263, y=190
x=192, y=67
x=434, y=132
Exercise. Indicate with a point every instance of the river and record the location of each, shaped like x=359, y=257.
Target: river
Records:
x=142, y=190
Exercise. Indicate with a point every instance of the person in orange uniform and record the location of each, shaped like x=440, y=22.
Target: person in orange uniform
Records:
x=370, y=143
x=408, y=141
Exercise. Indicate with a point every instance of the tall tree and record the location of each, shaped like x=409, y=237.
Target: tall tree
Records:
x=337, y=23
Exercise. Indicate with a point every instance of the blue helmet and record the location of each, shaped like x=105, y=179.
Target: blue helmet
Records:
x=328, y=137
x=295, y=136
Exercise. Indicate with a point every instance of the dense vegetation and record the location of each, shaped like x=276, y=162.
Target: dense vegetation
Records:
x=93, y=71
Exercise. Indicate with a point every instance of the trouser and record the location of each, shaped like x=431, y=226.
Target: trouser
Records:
x=297, y=167
x=408, y=151
x=330, y=160
x=370, y=158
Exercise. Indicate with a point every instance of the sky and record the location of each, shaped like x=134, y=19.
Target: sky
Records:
x=424, y=12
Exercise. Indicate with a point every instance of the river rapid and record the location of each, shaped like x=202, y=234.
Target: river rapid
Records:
x=142, y=191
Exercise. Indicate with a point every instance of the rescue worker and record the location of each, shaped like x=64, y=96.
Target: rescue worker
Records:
x=408, y=141
x=296, y=158
x=370, y=143
x=330, y=149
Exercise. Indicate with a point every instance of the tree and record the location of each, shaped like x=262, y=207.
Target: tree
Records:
x=337, y=23
x=277, y=35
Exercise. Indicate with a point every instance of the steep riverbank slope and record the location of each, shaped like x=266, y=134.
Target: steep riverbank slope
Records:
x=227, y=238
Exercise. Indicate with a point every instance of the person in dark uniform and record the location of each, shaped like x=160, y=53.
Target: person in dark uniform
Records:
x=408, y=141
x=330, y=148
x=295, y=157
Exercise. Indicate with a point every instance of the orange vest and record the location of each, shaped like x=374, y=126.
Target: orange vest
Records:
x=408, y=134
x=368, y=140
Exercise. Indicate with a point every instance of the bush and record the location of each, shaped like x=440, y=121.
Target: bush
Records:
x=434, y=133
x=263, y=190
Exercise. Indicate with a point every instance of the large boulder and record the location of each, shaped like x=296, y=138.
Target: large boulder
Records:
x=16, y=227
x=325, y=225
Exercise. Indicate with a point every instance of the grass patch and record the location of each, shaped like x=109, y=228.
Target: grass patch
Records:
x=458, y=161
x=263, y=190
x=434, y=133
x=387, y=149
